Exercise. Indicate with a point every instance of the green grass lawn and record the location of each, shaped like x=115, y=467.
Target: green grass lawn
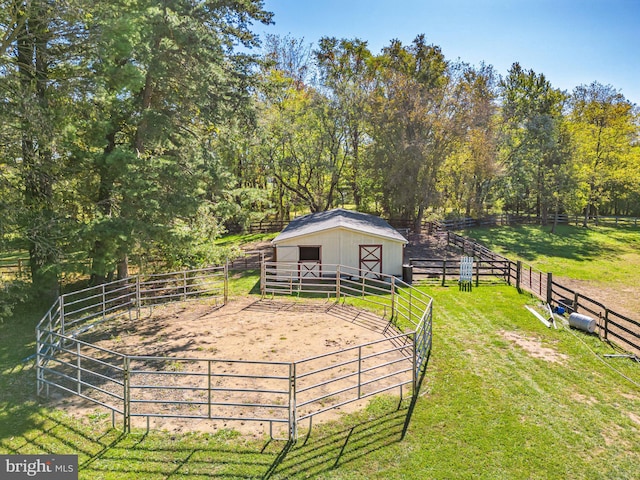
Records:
x=605, y=255
x=241, y=239
x=488, y=408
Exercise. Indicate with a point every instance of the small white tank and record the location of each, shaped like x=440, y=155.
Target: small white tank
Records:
x=582, y=322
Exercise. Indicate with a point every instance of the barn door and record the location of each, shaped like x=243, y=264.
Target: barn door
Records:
x=309, y=261
x=371, y=260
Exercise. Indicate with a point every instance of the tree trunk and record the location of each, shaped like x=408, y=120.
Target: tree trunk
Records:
x=37, y=158
x=123, y=267
x=98, y=263
x=104, y=204
x=590, y=205
x=355, y=168
x=417, y=226
x=556, y=212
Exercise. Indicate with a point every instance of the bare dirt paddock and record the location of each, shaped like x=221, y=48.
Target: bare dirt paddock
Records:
x=236, y=335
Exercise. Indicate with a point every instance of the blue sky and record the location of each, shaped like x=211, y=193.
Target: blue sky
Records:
x=572, y=42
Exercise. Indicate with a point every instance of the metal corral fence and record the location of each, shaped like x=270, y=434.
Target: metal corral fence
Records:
x=404, y=318
x=66, y=362
x=275, y=393
x=402, y=305
x=611, y=325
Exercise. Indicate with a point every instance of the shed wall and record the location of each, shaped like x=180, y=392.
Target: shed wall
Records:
x=341, y=247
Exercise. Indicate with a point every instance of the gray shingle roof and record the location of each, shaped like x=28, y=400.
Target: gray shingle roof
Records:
x=339, y=218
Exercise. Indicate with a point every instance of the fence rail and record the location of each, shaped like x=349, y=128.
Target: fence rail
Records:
x=611, y=325
x=428, y=226
x=442, y=270
x=15, y=268
x=400, y=305
x=278, y=393
x=614, y=220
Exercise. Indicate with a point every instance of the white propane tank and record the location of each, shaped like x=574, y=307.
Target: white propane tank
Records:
x=582, y=322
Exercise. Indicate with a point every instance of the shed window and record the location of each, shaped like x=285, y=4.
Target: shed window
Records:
x=309, y=254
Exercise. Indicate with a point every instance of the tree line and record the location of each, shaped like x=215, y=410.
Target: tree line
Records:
x=408, y=133
x=148, y=129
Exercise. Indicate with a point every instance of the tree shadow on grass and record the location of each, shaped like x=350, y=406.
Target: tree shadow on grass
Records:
x=104, y=451
x=333, y=448
x=26, y=427
x=107, y=451
x=530, y=243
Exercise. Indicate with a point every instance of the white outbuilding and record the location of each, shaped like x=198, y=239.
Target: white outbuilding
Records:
x=341, y=237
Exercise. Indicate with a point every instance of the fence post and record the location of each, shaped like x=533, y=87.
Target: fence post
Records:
x=292, y=402
x=359, y=371
x=104, y=301
x=415, y=365
x=410, y=302
x=549, y=288
x=209, y=386
x=393, y=297
x=606, y=323
x=39, y=357
x=79, y=368
x=444, y=268
x=226, y=282
x=61, y=301
x=184, y=285
x=138, y=297
x=575, y=302
x=518, y=273
x=540, y=284
x=478, y=272
x=126, y=412
x=338, y=283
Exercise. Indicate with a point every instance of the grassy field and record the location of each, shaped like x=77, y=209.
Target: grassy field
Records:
x=603, y=255
x=502, y=397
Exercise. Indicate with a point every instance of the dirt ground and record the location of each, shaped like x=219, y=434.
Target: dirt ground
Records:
x=623, y=300
x=534, y=348
x=243, y=337
x=428, y=246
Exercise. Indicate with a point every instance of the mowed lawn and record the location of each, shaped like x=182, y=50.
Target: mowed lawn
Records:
x=599, y=262
x=603, y=255
x=503, y=397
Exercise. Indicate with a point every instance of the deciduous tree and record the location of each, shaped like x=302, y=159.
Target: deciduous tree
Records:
x=414, y=126
x=605, y=128
x=532, y=116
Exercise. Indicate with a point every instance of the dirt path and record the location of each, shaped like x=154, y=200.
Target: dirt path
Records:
x=427, y=246
x=622, y=299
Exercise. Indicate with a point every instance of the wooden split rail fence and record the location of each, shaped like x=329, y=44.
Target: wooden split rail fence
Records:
x=612, y=326
x=269, y=226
